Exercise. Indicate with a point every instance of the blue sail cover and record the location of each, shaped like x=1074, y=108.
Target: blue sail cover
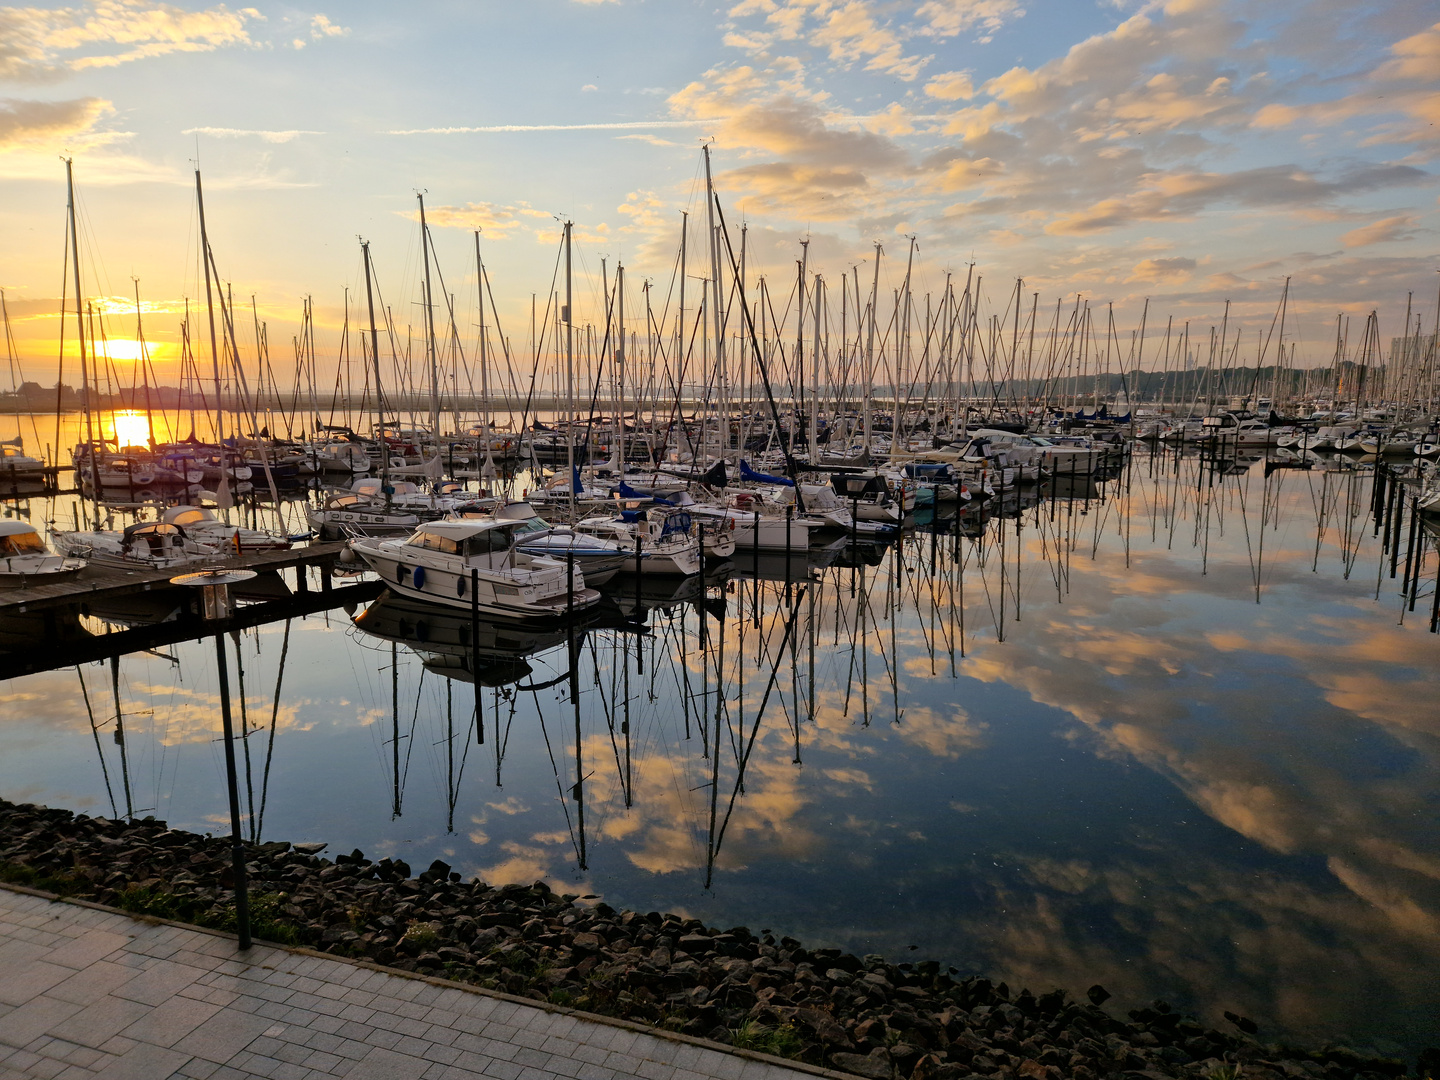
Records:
x=625, y=491
x=750, y=476
x=575, y=486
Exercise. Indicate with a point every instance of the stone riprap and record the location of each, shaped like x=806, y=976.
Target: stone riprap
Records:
x=817, y=1005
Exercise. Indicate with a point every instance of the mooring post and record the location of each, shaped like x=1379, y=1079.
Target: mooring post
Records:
x=237, y=841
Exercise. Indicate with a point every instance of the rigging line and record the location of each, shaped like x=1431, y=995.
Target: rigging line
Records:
x=104, y=770
x=559, y=787
x=258, y=822
x=410, y=738
x=755, y=729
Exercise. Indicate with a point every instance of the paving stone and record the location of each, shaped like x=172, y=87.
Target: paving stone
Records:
x=33, y=1019
x=132, y=1000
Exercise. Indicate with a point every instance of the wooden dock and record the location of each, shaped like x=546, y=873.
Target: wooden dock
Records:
x=103, y=582
x=40, y=628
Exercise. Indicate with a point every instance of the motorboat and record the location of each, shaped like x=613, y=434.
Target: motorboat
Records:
x=25, y=560
x=474, y=563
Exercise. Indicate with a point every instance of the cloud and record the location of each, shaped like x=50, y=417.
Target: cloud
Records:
x=497, y=222
x=33, y=123
x=322, y=27
x=1399, y=227
x=951, y=86
x=653, y=140
x=241, y=133
x=1183, y=194
x=1156, y=270
x=947, y=18
x=628, y=125
x=37, y=43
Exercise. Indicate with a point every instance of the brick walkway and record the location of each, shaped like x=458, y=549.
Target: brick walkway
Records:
x=90, y=994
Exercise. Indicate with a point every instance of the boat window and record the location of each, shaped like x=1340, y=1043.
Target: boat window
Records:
x=533, y=525
x=21, y=544
x=485, y=542
x=432, y=541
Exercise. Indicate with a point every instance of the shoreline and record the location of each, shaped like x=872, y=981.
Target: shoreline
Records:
x=863, y=1016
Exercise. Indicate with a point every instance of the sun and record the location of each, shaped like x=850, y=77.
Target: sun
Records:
x=132, y=428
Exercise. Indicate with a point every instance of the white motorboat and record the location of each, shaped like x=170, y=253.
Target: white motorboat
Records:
x=25, y=561
x=465, y=563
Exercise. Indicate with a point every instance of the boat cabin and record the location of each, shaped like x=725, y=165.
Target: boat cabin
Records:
x=19, y=538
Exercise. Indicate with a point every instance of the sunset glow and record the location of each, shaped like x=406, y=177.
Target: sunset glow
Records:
x=1185, y=154
x=131, y=428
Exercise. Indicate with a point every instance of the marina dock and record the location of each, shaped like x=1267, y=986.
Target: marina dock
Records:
x=40, y=627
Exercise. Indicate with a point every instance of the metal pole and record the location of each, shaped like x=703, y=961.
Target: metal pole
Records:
x=475, y=652
x=237, y=842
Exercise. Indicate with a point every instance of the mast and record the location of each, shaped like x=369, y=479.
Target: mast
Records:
x=80, y=337
x=870, y=352
x=429, y=333
x=375, y=359
x=716, y=313
x=222, y=496
x=569, y=375
x=488, y=469
x=620, y=359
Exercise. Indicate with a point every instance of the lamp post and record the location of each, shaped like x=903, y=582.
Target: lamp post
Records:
x=214, y=586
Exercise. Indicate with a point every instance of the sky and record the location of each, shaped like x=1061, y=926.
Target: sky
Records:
x=1186, y=154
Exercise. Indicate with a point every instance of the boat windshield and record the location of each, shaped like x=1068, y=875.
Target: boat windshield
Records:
x=533, y=525
x=21, y=544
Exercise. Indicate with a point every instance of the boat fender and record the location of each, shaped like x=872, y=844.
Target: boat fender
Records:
x=400, y=570
x=460, y=585
x=419, y=578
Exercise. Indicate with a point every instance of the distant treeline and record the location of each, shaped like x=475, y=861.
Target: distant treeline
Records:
x=1353, y=381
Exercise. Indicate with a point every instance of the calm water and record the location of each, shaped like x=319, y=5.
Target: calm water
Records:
x=1165, y=738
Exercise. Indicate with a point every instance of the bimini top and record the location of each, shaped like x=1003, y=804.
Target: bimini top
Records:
x=460, y=528
x=188, y=515
x=466, y=536
x=153, y=528
x=16, y=528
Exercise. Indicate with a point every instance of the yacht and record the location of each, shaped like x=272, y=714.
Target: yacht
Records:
x=442, y=561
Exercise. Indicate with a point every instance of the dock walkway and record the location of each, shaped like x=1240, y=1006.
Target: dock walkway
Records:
x=88, y=993
x=97, y=581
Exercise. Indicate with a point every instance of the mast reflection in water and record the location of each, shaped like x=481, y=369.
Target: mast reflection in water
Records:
x=1172, y=731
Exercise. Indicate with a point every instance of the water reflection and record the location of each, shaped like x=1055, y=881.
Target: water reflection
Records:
x=1171, y=730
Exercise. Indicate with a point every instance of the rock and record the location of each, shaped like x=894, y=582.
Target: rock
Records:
x=1098, y=995
x=862, y=1065
x=1244, y=1023
x=587, y=942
